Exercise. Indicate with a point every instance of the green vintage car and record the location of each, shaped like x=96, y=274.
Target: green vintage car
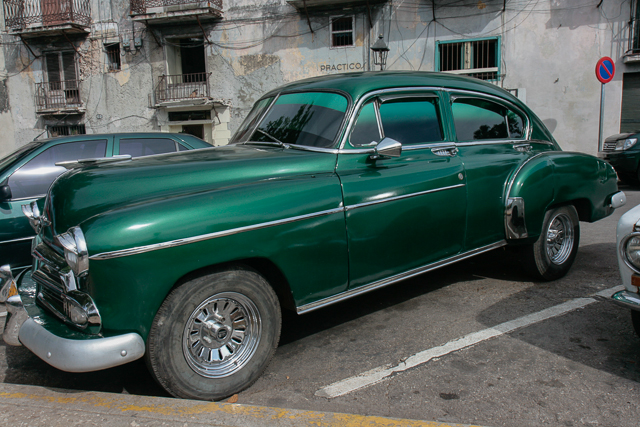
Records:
x=333, y=187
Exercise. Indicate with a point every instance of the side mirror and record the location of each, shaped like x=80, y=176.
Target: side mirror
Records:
x=387, y=148
x=5, y=193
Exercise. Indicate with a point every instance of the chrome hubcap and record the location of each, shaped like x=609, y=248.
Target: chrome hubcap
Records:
x=221, y=335
x=559, y=239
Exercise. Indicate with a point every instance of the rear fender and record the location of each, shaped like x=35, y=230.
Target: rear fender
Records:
x=553, y=179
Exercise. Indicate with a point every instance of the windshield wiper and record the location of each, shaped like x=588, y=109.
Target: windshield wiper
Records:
x=276, y=140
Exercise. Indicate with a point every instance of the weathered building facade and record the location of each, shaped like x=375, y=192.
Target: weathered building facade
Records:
x=75, y=66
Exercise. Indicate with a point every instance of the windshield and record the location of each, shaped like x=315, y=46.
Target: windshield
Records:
x=310, y=119
x=18, y=154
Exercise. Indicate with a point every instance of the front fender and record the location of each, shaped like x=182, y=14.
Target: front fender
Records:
x=557, y=178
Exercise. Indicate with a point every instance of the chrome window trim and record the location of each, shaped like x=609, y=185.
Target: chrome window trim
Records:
x=473, y=94
x=404, y=196
x=367, y=96
x=306, y=308
x=188, y=240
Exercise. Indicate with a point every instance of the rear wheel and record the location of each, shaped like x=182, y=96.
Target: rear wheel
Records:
x=552, y=255
x=213, y=336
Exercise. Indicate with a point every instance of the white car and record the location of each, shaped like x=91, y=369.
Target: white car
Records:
x=628, y=238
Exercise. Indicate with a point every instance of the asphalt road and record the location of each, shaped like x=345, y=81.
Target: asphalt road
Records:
x=474, y=343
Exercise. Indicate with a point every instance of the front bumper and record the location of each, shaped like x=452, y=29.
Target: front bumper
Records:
x=627, y=299
x=68, y=354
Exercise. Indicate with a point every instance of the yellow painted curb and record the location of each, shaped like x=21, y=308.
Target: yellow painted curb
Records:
x=165, y=409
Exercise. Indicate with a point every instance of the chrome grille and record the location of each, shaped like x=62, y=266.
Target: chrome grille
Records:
x=49, y=268
x=609, y=145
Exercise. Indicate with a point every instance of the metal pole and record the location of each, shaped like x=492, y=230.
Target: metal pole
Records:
x=601, y=118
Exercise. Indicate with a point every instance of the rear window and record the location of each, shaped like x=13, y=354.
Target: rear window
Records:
x=477, y=119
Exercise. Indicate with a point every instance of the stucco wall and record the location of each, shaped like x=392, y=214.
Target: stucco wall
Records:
x=548, y=50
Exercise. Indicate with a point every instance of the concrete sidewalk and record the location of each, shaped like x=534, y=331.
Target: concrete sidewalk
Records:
x=38, y=406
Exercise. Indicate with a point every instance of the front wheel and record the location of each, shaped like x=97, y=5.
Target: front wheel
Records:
x=552, y=255
x=213, y=336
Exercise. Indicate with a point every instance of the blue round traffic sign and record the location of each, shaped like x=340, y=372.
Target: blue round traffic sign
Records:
x=605, y=69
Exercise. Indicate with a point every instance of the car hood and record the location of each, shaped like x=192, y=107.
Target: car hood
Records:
x=81, y=194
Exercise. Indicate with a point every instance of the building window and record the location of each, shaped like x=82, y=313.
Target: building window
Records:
x=62, y=78
x=113, y=57
x=342, y=31
x=65, y=130
x=475, y=58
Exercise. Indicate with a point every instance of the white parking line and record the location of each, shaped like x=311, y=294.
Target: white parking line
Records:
x=381, y=373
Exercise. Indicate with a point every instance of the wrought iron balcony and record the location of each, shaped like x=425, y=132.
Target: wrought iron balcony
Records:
x=182, y=87
x=58, y=97
x=633, y=49
x=158, y=11
x=41, y=17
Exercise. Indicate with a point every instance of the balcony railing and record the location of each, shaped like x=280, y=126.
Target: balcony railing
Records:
x=147, y=6
x=58, y=96
x=182, y=86
x=26, y=14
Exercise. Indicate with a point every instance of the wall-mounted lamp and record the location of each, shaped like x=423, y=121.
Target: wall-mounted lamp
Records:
x=380, y=52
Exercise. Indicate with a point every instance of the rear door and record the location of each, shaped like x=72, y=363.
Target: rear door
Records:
x=407, y=212
x=492, y=142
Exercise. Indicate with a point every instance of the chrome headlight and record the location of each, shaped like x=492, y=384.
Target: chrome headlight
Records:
x=75, y=250
x=625, y=144
x=630, y=251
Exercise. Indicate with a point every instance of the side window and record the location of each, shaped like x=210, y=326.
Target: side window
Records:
x=411, y=121
x=138, y=147
x=477, y=119
x=35, y=177
x=365, y=131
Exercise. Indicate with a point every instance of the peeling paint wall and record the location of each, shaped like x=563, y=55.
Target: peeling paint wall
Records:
x=548, y=51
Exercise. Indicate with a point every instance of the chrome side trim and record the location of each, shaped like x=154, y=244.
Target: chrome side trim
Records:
x=22, y=239
x=393, y=279
x=203, y=237
x=88, y=355
x=405, y=196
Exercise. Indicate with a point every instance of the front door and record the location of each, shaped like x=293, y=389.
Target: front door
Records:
x=406, y=212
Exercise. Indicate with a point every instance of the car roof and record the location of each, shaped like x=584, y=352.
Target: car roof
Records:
x=358, y=84
x=107, y=135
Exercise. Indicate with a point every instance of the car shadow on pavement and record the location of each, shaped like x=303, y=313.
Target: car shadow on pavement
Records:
x=599, y=336
x=498, y=264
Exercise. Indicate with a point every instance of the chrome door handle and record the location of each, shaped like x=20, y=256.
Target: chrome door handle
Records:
x=523, y=148
x=445, y=151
